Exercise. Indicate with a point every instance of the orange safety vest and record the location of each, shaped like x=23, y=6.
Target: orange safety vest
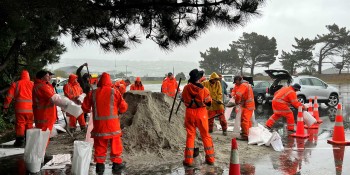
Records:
x=137, y=87
x=21, y=91
x=45, y=112
x=244, y=95
x=282, y=100
x=195, y=97
x=106, y=102
x=169, y=87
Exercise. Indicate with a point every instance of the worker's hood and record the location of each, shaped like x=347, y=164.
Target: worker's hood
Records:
x=193, y=88
x=25, y=75
x=72, y=78
x=214, y=76
x=105, y=80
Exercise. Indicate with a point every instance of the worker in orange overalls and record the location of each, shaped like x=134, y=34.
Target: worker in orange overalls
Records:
x=121, y=85
x=196, y=97
x=72, y=90
x=107, y=103
x=169, y=85
x=21, y=92
x=44, y=108
x=217, y=107
x=137, y=85
x=244, y=97
x=280, y=105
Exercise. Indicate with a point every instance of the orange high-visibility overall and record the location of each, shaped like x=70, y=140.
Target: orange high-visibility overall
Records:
x=195, y=98
x=21, y=92
x=244, y=96
x=169, y=87
x=280, y=105
x=106, y=102
x=72, y=90
x=45, y=111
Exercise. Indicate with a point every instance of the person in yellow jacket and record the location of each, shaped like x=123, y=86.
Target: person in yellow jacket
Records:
x=217, y=106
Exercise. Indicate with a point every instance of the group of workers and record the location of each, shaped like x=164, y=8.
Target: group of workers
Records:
x=36, y=102
x=204, y=102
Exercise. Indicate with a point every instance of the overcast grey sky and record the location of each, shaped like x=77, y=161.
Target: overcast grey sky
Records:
x=282, y=19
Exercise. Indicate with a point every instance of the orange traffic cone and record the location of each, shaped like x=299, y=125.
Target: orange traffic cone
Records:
x=316, y=113
x=338, y=132
x=300, y=126
x=338, y=153
x=310, y=110
x=234, y=160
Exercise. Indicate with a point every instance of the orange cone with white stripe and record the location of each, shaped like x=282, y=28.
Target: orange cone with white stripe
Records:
x=316, y=113
x=338, y=132
x=338, y=153
x=234, y=160
x=300, y=125
x=310, y=109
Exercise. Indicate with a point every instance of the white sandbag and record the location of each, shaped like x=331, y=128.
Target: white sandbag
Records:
x=254, y=136
x=308, y=119
x=81, y=97
x=58, y=161
x=237, y=124
x=276, y=142
x=253, y=119
x=60, y=101
x=228, y=111
x=265, y=135
x=53, y=133
x=74, y=109
x=36, y=141
x=81, y=157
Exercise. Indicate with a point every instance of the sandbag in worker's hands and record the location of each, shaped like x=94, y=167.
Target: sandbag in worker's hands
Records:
x=230, y=104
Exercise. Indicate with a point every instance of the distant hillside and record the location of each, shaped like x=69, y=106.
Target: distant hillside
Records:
x=133, y=68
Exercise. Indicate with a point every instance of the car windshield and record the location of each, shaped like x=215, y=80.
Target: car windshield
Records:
x=228, y=78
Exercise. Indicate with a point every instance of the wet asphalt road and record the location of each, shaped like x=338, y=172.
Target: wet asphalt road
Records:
x=311, y=156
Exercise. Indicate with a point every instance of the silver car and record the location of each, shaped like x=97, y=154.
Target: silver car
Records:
x=310, y=87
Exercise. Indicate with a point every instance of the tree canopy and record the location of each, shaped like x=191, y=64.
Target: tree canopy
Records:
x=331, y=43
x=301, y=56
x=219, y=61
x=29, y=30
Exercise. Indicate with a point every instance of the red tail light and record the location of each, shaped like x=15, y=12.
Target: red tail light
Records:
x=267, y=90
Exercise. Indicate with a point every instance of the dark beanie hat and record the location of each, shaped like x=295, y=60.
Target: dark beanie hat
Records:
x=41, y=74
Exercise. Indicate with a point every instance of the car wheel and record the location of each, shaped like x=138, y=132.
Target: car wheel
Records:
x=333, y=100
x=260, y=99
x=301, y=99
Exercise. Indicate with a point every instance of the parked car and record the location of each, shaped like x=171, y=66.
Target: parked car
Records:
x=60, y=82
x=259, y=90
x=310, y=87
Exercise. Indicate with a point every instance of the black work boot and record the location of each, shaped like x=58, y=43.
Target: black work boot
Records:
x=224, y=133
x=82, y=128
x=19, y=142
x=117, y=167
x=100, y=168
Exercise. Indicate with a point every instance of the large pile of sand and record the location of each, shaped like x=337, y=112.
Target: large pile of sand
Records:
x=147, y=133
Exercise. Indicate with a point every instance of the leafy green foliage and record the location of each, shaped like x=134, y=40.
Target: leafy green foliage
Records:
x=256, y=50
x=301, y=56
x=215, y=60
x=180, y=75
x=330, y=43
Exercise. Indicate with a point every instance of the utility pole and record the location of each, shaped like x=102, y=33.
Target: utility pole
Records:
x=173, y=71
x=126, y=71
